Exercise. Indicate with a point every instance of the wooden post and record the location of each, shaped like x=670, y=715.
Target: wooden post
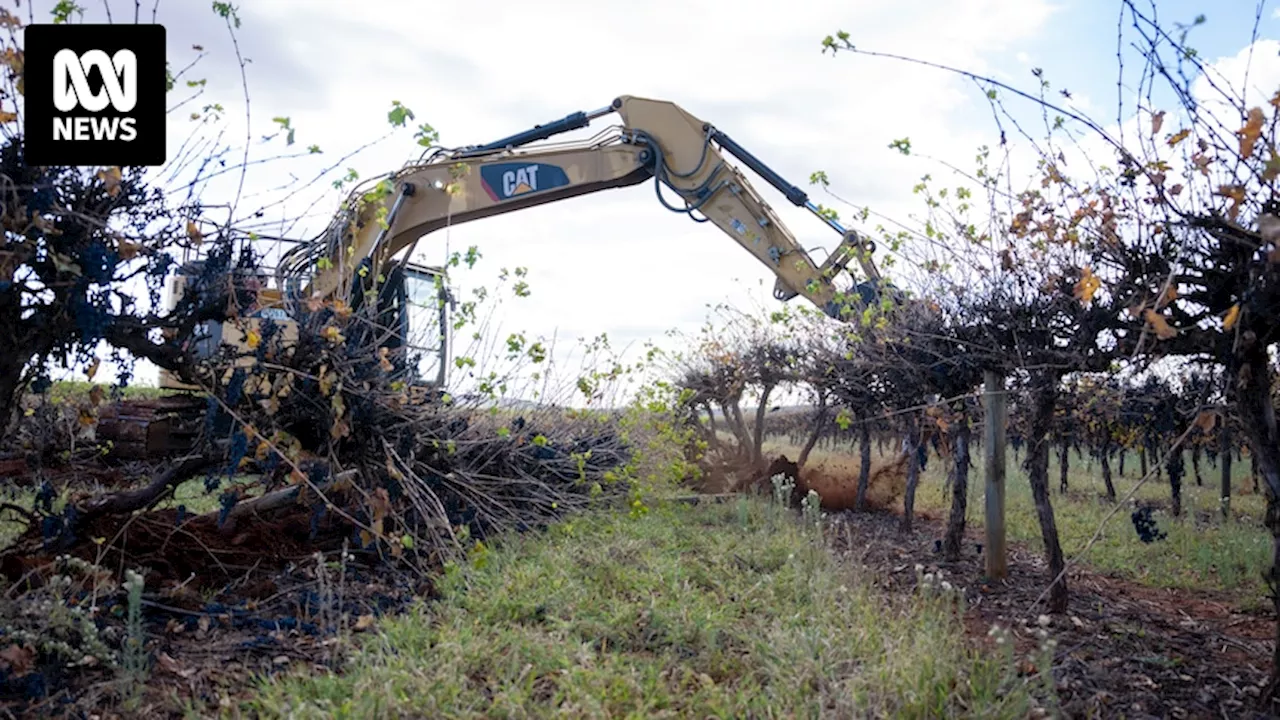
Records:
x=995, y=430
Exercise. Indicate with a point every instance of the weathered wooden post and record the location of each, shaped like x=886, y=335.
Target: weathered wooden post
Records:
x=995, y=430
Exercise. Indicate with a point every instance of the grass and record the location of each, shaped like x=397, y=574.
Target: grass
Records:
x=1198, y=554
x=730, y=610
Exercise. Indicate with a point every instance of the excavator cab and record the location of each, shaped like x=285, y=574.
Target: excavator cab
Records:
x=411, y=319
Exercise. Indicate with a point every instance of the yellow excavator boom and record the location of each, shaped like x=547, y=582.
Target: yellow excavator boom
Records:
x=657, y=140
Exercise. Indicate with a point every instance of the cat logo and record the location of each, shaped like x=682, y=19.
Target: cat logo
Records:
x=517, y=182
x=505, y=181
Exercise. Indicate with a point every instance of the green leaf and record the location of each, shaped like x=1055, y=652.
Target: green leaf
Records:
x=399, y=115
x=228, y=12
x=63, y=10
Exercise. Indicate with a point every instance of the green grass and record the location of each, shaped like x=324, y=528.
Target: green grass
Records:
x=1212, y=555
x=724, y=611
x=76, y=390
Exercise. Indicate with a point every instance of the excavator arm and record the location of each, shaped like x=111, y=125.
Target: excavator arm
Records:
x=657, y=140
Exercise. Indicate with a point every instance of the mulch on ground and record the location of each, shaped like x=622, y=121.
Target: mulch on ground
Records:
x=1123, y=649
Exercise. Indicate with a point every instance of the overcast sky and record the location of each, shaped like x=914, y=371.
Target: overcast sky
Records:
x=617, y=261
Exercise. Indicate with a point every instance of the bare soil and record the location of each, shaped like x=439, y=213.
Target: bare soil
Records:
x=1123, y=649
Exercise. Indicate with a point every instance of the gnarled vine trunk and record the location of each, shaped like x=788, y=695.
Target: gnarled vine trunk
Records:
x=959, y=489
x=1225, y=468
x=1175, y=466
x=1064, y=466
x=757, y=432
x=819, y=425
x=1043, y=395
x=1105, y=461
x=911, y=445
x=864, y=469
x=1258, y=419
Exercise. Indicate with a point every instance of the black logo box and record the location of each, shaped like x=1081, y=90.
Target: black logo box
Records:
x=148, y=147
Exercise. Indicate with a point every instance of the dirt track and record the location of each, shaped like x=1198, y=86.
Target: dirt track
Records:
x=1124, y=650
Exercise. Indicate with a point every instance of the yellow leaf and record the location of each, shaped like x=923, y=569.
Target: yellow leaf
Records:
x=1157, y=121
x=340, y=430
x=364, y=622
x=1251, y=131
x=8, y=117
x=1161, y=326
x=13, y=58
x=332, y=334
x=383, y=362
x=194, y=233
x=1087, y=285
x=110, y=178
x=253, y=339
x=1179, y=136
x=1229, y=320
x=93, y=369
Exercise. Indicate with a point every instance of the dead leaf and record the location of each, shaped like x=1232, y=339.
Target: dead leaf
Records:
x=8, y=117
x=1160, y=325
x=128, y=250
x=93, y=369
x=1251, y=131
x=1229, y=320
x=1235, y=193
x=1169, y=295
x=253, y=339
x=14, y=59
x=111, y=178
x=166, y=663
x=340, y=430
x=383, y=361
x=1206, y=420
x=18, y=659
x=9, y=20
x=332, y=334
x=1087, y=285
x=364, y=622
x=1157, y=122
x=194, y=233
x=96, y=395
x=1179, y=136
x=380, y=504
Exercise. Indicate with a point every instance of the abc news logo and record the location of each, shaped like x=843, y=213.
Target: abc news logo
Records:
x=95, y=95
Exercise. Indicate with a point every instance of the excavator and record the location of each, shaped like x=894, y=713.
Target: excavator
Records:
x=363, y=253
